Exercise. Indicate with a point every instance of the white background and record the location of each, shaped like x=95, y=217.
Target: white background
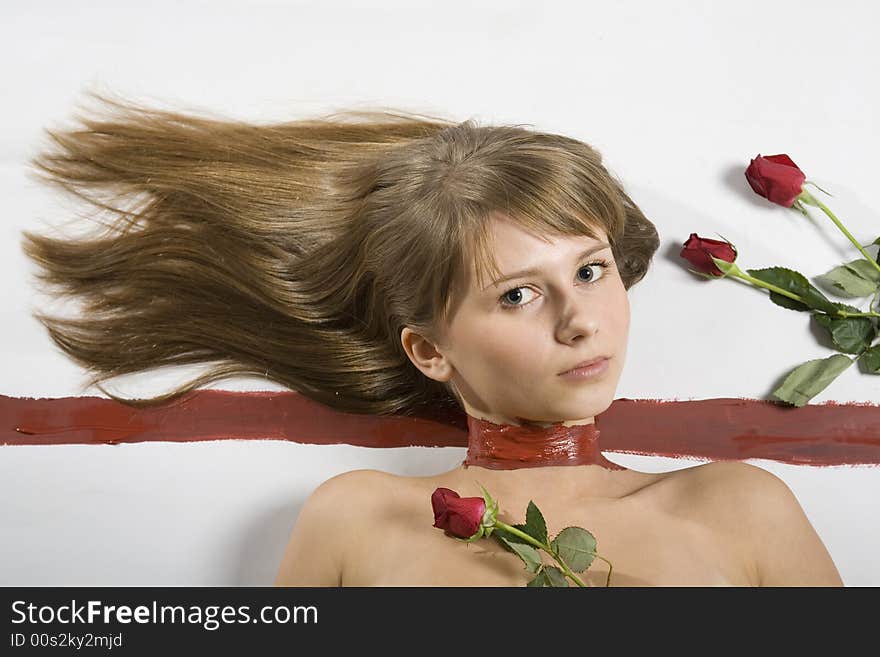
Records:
x=678, y=96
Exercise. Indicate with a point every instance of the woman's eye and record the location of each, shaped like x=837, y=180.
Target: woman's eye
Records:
x=517, y=291
x=511, y=298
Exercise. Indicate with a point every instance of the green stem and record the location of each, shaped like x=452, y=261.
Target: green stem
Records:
x=810, y=199
x=538, y=544
x=610, y=568
x=739, y=273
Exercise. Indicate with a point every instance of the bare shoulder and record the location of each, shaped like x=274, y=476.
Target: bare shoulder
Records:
x=352, y=480
x=758, y=510
x=727, y=481
x=346, y=493
x=330, y=519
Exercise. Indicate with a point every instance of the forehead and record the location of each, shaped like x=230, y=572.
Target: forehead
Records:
x=512, y=247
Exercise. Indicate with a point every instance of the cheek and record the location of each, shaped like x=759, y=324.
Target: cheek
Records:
x=626, y=309
x=622, y=314
x=503, y=346
x=617, y=302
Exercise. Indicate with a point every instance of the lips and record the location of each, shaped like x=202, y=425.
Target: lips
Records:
x=586, y=363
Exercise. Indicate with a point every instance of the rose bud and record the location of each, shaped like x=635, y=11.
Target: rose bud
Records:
x=697, y=251
x=460, y=516
x=776, y=178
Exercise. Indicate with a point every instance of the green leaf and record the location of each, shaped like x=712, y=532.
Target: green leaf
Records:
x=535, y=525
x=848, y=308
x=865, y=269
x=576, y=547
x=530, y=556
x=856, y=279
x=810, y=378
x=555, y=576
x=787, y=302
x=871, y=359
x=849, y=334
x=795, y=282
x=540, y=579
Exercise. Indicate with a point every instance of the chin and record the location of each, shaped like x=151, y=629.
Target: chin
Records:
x=579, y=411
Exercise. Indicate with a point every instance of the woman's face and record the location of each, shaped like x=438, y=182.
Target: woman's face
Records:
x=507, y=344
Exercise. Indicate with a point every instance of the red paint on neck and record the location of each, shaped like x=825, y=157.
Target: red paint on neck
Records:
x=509, y=446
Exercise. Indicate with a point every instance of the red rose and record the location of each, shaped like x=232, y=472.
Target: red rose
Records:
x=698, y=249
x=776, y=178
x=460, y=516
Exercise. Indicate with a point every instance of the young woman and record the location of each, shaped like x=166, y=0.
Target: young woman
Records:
x=503, y=354
x=389, y=263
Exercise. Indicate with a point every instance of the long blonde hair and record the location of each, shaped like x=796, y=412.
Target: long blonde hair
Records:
x=298, y=251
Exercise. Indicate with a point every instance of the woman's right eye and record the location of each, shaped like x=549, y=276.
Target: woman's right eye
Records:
x=513, y=302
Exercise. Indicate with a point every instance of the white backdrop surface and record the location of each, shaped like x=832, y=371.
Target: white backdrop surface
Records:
x=677, y=95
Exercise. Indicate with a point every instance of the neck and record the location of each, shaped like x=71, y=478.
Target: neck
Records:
x=510, y=447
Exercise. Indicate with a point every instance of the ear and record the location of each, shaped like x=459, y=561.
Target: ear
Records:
x=425, y=355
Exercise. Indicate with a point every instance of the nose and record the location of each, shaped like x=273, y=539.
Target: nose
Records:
x=577, y=318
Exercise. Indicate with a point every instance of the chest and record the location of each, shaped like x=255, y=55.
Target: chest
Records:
x=645, y=545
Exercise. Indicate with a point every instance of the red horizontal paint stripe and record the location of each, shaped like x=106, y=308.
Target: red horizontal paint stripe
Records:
x=715, y=429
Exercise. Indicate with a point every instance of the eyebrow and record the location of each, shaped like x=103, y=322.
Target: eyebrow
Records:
x=535, y=270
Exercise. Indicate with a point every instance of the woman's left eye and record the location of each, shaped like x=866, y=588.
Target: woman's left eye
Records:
x=601, y=263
